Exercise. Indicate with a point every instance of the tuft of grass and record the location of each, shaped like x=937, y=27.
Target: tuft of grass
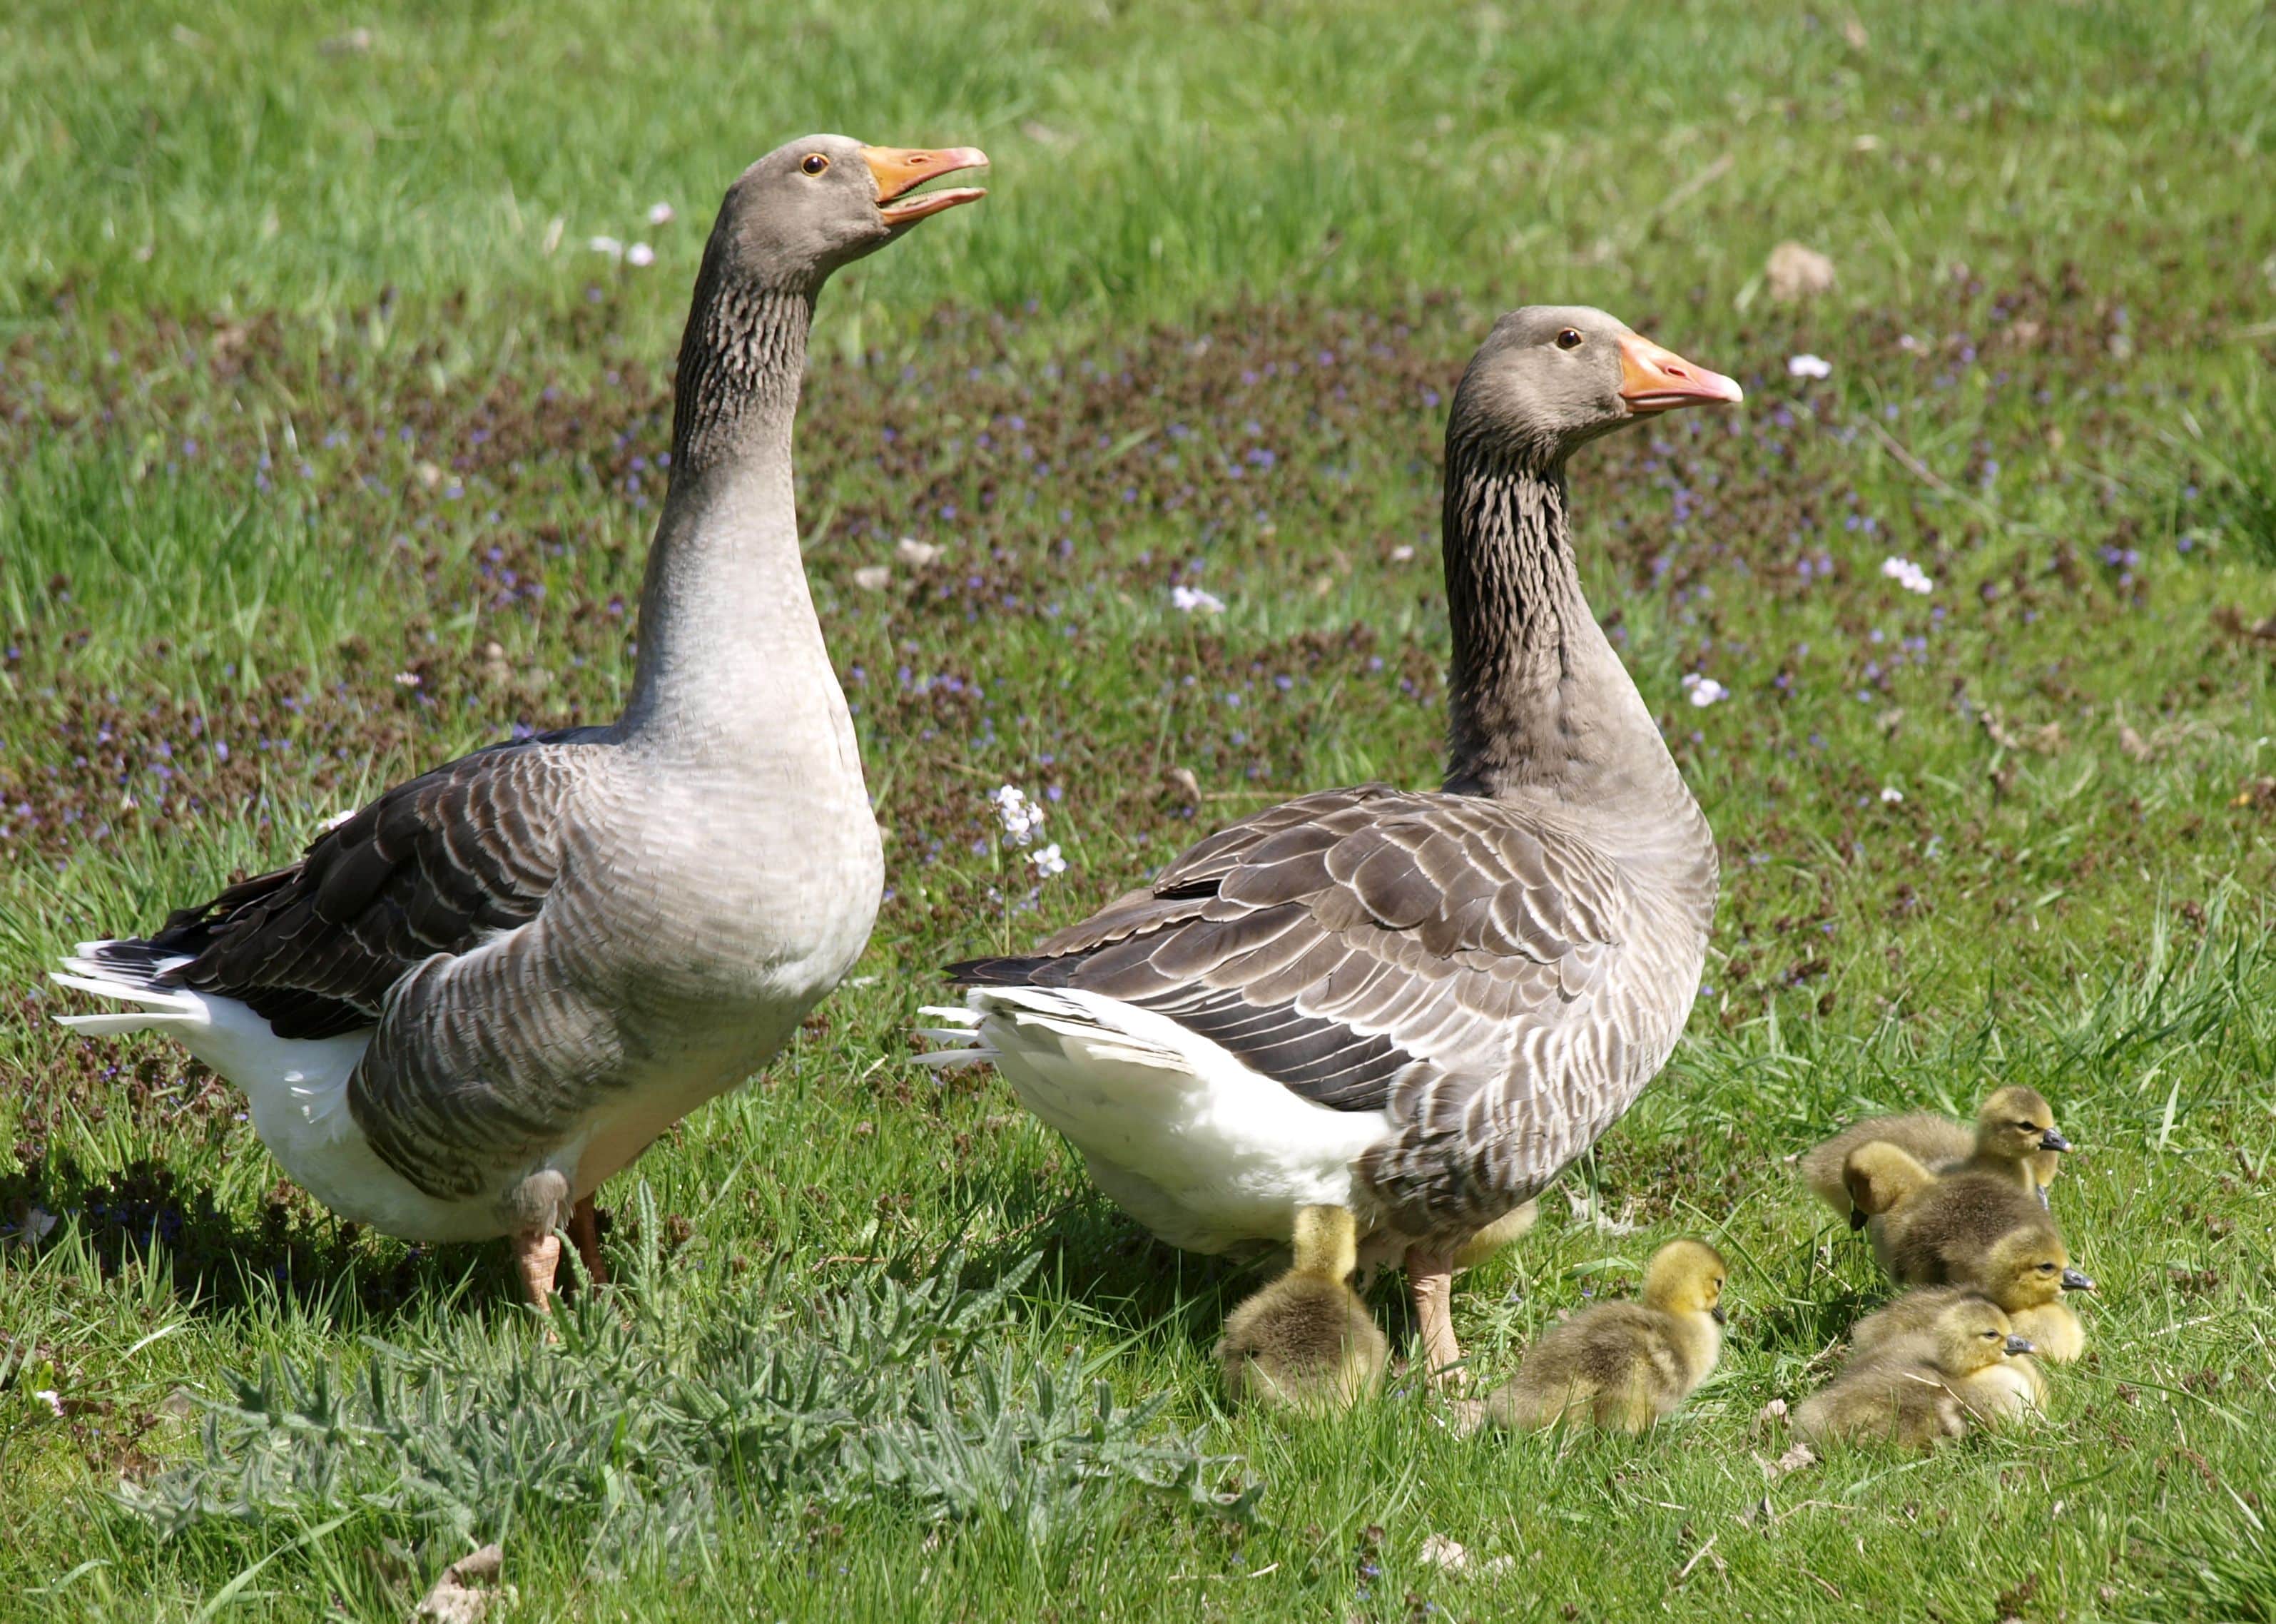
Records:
x=661, y=1419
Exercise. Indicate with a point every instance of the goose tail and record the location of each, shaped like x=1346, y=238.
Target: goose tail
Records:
x=128, y=972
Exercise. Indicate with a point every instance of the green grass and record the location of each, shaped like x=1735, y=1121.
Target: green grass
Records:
x=295, y=402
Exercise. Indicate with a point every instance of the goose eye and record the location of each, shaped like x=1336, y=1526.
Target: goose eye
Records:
x=814, y=162
x=1569, y=340
x=2046, y=1268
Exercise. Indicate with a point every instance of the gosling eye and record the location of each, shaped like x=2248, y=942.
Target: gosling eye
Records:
x=2046, y=1268
x=814, y=162
x=1569, y=340
x=1990, y=1336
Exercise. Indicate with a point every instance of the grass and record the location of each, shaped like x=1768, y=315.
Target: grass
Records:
x=321, y=464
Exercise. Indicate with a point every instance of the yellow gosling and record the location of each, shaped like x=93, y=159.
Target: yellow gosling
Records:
x=1306, y=1341
x=2014, y=1136
x=2026, y=1272
x=1970, y=1369
x=1625, y=1365
x=1928, y=1231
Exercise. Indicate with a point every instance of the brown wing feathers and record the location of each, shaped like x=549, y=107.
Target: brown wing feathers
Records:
x=1338, y=940
x=434, y=866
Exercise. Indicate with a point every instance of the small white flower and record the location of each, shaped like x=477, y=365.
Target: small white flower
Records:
x=1048, y=861
x=407, y=679
x=662, y=214
x=609, y=246
x=1809, y=367
x=1703, y=689
x=915, y=553
x=873, y=578
x=1020, y=816
x=1193, y=600
x=1907, y=574
x=639, y=256
x=53, y=1400
x=1402, y=554
x=1891, y=795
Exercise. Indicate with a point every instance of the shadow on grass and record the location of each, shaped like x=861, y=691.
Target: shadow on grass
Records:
x=1096, y=1257
x=146, y=1215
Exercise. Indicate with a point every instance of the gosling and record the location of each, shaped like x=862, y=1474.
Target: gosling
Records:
x=1928, y=1231
x=2026, y=1272
x=1971, y=1368
x=2015, y=1138
x=1306, y=1342
x=1624, y=1365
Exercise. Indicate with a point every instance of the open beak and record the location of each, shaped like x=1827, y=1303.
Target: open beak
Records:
x=2073, y=1280
x=1657, y=380
x=2052, y=1141
x=900, y=171
x=2020, y=1345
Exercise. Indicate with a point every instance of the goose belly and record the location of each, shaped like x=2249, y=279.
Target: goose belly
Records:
x=1203, y=1151
x=296, y=1096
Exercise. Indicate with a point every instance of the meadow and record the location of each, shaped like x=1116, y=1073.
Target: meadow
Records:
x=328, y=451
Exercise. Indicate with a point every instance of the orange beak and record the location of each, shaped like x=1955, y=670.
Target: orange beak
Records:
x=898, y=171
x=1657, y=380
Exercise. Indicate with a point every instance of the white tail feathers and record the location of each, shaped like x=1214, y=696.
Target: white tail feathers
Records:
x=963, y=1045
x=161, y=1010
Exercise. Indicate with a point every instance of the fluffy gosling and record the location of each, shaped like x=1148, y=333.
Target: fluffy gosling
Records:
x=1306, y=1341
x=1932, y=1231
x=2026, y=1272
x=1625, y=1365
x=1971, y=1368
x=2014, y=1138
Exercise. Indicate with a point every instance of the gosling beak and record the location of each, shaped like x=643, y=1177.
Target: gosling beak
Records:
x=2053, y=1141
x=2075, y=1281
x=898, y=171
x=1721, y=1318
x=2020, y=1345
x=1858, y=1219
x=1657, y=380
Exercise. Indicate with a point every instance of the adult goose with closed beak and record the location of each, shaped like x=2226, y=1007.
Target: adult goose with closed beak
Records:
x=1421, y=1005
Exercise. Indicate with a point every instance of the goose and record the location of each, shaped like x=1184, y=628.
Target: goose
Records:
x=1970, y=1367
x=471, y=1001
x=1306, y=1341
x=1624, y=1365
x=2014, y=1136
x=1420, y=1004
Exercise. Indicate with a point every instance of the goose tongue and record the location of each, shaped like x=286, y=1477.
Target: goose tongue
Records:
x=900, y=170
x=1657, y=380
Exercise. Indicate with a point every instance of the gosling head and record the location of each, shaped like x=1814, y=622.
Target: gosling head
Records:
x=1686, y=1277
x=1974, y=1335
x=2029, y=1268
x=1879, y=1175
x=2015, y=1122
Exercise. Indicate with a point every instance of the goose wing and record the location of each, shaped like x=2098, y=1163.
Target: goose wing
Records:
x=438, y=864
x=1370, y=948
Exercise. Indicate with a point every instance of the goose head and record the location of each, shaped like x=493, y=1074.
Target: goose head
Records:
x=816, y=204
x=1550, y=378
